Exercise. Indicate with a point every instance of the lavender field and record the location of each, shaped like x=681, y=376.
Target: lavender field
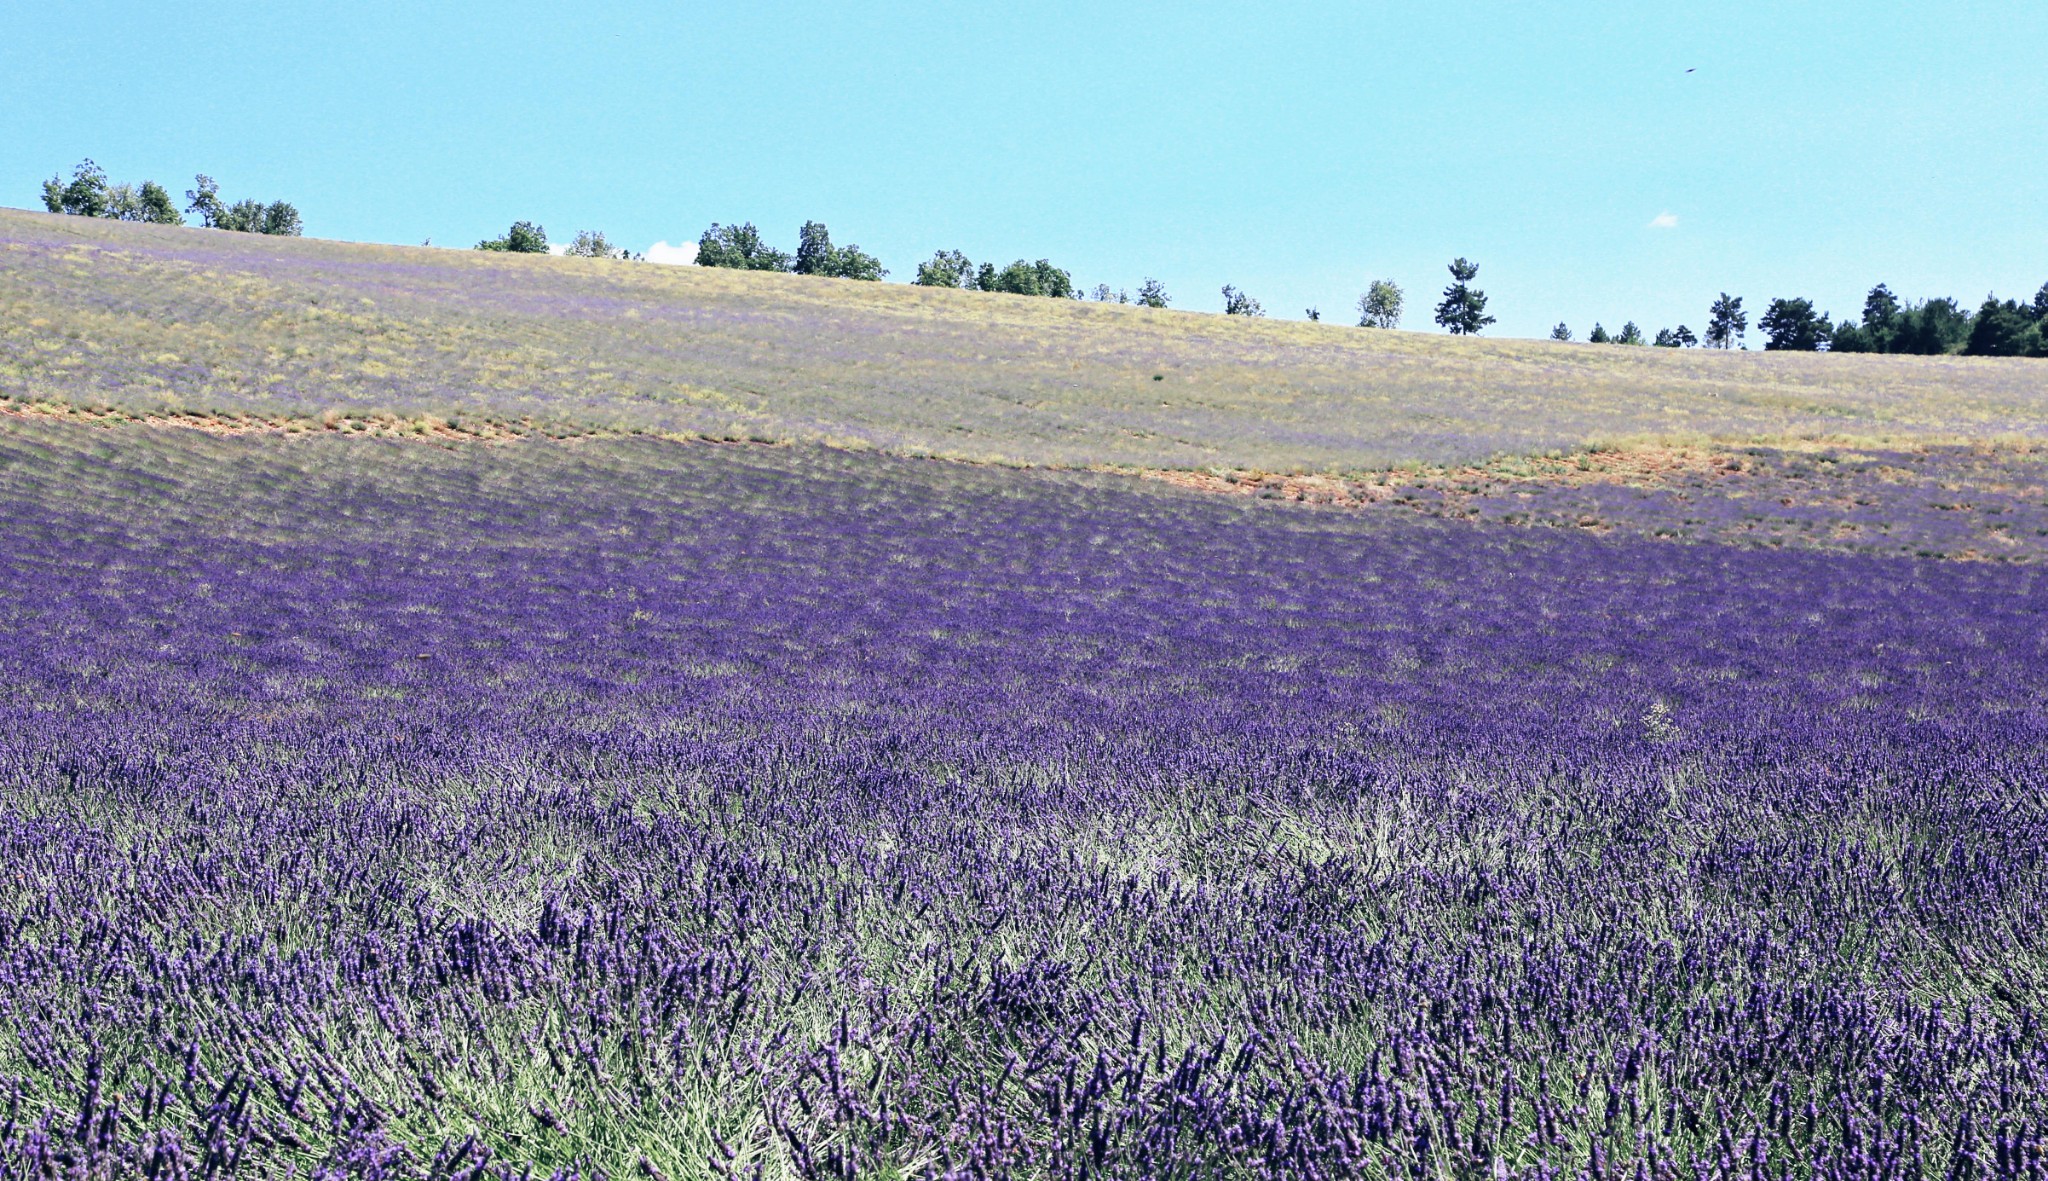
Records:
x=150, y=318
x=625, y=807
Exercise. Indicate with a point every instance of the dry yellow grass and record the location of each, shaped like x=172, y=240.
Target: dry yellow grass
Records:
x=154, y=319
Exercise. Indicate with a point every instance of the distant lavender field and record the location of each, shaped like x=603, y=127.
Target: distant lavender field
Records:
x=149, y=317
x=377, y=810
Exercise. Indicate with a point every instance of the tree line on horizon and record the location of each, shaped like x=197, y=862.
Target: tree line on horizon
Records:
x=90, y=194
x=1931, y=327
x=1462, y=311
x=526, y=237
x=1998, y=328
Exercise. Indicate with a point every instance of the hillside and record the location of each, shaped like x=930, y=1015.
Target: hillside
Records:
x=385, y=798
x=152, y=318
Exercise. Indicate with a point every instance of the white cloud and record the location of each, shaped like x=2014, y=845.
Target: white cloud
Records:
x=1664, y=221
x=675, y=256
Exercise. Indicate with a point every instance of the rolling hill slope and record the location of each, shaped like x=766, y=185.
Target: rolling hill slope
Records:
x=146, y=318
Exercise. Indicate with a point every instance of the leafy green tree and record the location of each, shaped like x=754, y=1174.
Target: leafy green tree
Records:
x=204, y=198
x=945, y=268
x=87, y=194
x=2001, y=329
x=1726, y=322
x=593, y=244
x=156, y=206
x=816, y=255
x=1026, y=278
x=1152, y=294
x=245, y=217
x=281, y=218
x=2039, y=308
x=1562, y=332
x=1380, y=306
x=855, y=263
x=1237, y=303
x=1598, y=335
x=1850, y=337
x=1791, y=325
x=1463, y=310
x=147, y=203
x=523, y=238
x=739, y=248
x=1929, y=329
x=814, y=251
x=1684, y=337
x=249, y=217
x=1630, y=334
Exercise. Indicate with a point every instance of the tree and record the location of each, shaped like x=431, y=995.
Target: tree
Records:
x=249, y=217
x=855, y=263
x=813, y=250
x=1237, y=303
x=1850, y=337
x=281, y=218
x=1026, y=278
x=945, y=268
x=523, y=238
x=87, y=195
x=1726, y=322
x=593, y=244
x=2001, y=329
x=148, y=203
x=1630, y=334
x=205, y=201
x=2039, y=308
x=1792, y=325
x=1562, y=332
x=1666, y=339
x=1683, y=338
x=1598, y=335
x=1152, y=294
x=1931, y=328
x=1380, y=306
x=1463, y=310
x=156, y=207
x=739, y=248
x=244, y=217
x=815, y=255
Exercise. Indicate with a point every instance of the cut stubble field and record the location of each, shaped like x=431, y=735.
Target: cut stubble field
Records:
x=453, y=771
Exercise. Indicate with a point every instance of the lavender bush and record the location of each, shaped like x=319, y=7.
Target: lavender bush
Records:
x=375, y=810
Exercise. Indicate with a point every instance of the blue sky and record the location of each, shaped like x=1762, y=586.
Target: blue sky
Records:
x=1295, y=150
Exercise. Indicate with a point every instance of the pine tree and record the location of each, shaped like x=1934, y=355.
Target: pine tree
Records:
x=1463, y=310
x=1726, y=322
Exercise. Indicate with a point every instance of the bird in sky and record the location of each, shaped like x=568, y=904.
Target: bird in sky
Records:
x=1690, y=69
